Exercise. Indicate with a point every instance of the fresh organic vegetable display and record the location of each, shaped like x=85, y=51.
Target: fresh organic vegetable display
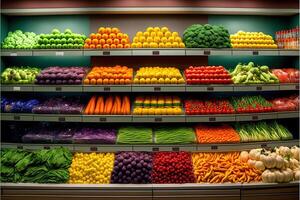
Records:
x=205, y=107
x=288, y=103
x=243, y=39
x=174, y=135
x=19, y=75
x=287, y=75
x=93, y=168
x=172, y=167
x=62, y=105
x=157, y=105
x=110, y=105
x=61, y=75
x=262, y=131
x=158, y=75
x=251, y=104
x=60, y=40
x=107, y=37
x=18, y=106
x=20, y=40
x=222, y=168
x=42, y=166
x=216, y=133
x=157, y=37
x=206, y=36
x=207, y=75
x=278, y=165
x=117, y=75
x=251, y=74
x=134, y=135
x=132, y=167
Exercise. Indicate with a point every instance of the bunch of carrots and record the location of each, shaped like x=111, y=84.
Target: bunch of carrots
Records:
x=223, y=167
x=108, y=106
x=216, y=133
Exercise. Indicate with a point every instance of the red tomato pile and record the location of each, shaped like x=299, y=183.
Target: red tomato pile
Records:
x=287, y=75
x=172, y=167
x=214, y=106
x=286, y=103
x=207, y=75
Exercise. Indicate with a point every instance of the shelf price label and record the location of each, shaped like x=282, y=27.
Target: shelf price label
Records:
x=254, y=117
x=210, y=88
x=19, y=147
x=13, y=54
x=59, y=53
x=15, y=88
x=214, y=147
x=17, y=118
x=255, y=53
x=93, y=149
x=264, y=145
x=297, y=87
x=155, y=53
x=258, y=88
x=155, y=149
x=175, y=149
x=106, y=53
x=102, y=119
x=212, y=119
x=61, y=119
x=207, y=52
x=58, y=89
x=158, y=119
x=106, y=89
x=157, y=89
x=46, y=147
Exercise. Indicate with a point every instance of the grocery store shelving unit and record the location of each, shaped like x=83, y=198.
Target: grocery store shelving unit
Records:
x=260, y=191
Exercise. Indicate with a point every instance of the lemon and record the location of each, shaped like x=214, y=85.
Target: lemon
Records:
x=167, y=81
x=156, y=39
x=142, y=81
x=169, y=111
x=149, y=39
x=153, y=45
x=135, y=39
x=145, y=111
x=180, y=81
x=153, y=80
x=150, y=29
x=153, y=34
x=148, y=80
x=146, y=34
x=139, y=45
x=177, y=39
x=160, y=34
x=171, y=39
x=175, y=34
x=168, y=34
x=164, y=40
x=174, y=81
x=151, y=111
x=142, y=39
x=164, y=29
x=145, y=45
x=175, y=44
x=134, y=45
x=163, y=111
x=161, y=81
x=136, y=81
x=157, y=111
x=168, y=45
x=181, y=45
x=161, y=45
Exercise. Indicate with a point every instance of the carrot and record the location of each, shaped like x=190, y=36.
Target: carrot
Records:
x=87, y=109
x=92, y=107
x=118, y=104
x=108, y=105
x=98, y=105
x=125, y=105
x=101, y=109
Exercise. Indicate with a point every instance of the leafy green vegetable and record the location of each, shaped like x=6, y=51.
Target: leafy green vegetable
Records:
x=134, y=135
x=174, y=135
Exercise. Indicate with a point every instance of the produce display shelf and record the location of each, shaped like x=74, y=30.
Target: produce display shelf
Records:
x=154, y=147
x=150, y=52
x=147, y=118
x=151, y=88
x=228, y=191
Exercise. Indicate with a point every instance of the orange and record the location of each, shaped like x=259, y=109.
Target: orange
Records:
x=127, y=46
x=109, y=41
x=92, y=46
x=90, y=76
x=105, y=36
x=95, y=41
x=125, y=36
x=97, y=75
x=86, y=46
x=106, y=46
x=88, y=41
x=101, y=30
x=127, y=81
x=112, y=36
x=99, y=81
x=105, y=81
x=123, y=41
x=117, y=81
x=86, y=81
x=93, y=81
x=98, y=46
x=120, y=36
x=93, y=36
x=122, y=81
x=120, y=46
x=116, y=41
x=98, y=36
x=115, y=30
x=108, y=30
x=102, y=41
x=113, y=46
x=111, y=81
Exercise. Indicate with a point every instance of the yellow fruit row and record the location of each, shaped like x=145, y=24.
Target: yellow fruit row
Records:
x=266, y=46
x=253, y=41
x=158, y=81
x=158, y=45
x=158, y=111
x=164, y=40
x=93, y=168
x=158, y=72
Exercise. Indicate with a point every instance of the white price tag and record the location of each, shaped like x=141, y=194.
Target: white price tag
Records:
x=59, y=53
x=13, y=54
x=16, y=88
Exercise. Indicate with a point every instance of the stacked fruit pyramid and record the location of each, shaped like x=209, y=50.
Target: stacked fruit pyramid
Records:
x=157, y=38
x=243, y=39
x=107, y=38
x=157, y=105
